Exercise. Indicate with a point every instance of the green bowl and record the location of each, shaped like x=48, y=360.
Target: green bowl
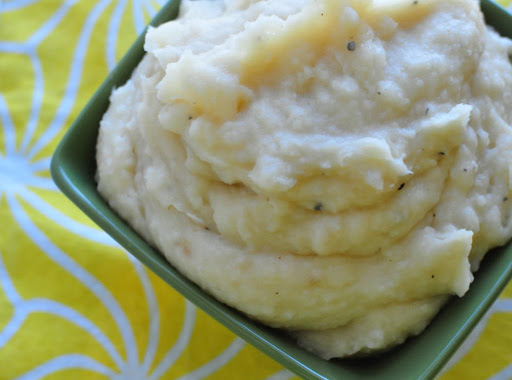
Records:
x=422, y=357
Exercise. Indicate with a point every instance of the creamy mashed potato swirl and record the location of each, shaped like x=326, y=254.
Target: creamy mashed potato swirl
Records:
x=336, y=168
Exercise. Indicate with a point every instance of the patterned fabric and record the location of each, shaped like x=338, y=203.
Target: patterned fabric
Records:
x=73, y=305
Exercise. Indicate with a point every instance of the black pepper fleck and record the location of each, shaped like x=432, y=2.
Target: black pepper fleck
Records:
x=206, y=228
x=441, y=153
x=433, y=276
x=378, y=93
x=321, y=14
x=401, y=186
x=426, y=112
x=351, y=46
x=190, y=117
x=465, y=170
x=319, y=206
x=505, y=199
x=277, y=292
x=415, y=2
x=434, y=215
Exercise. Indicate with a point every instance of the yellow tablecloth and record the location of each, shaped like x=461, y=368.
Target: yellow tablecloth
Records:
x=72, y=304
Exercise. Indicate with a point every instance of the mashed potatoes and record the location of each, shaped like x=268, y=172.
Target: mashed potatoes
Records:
x=336, y=168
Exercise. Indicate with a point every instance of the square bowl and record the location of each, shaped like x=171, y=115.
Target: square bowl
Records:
x=73, y=169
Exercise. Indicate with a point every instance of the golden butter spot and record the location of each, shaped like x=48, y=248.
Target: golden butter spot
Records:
x=313, y=281
x=183, y=244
